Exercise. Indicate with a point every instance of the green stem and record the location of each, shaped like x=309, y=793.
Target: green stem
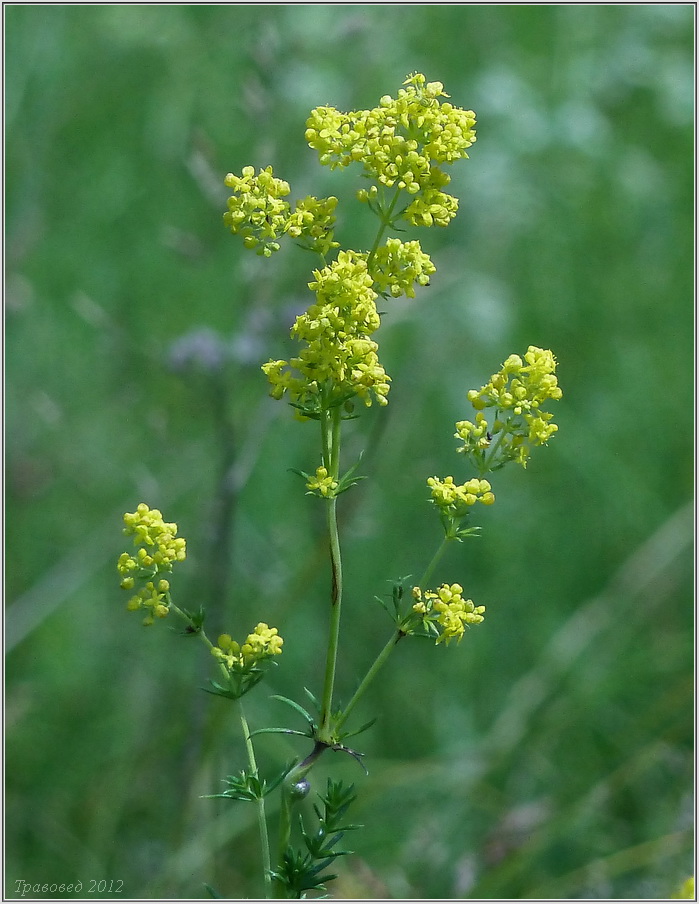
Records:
x=385, y=223
x=397, y=635
x=331, y=453
x=202, y=634
x=326, y=439
x=491, y=454
x=261, y=817
x=252, y=762
x=371, y=674
x=285, y=808
x=331, y=427
x=435, y=561
x=330, y=424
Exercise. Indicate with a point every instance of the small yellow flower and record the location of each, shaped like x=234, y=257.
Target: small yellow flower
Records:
x=322, y=484
x=419, y=605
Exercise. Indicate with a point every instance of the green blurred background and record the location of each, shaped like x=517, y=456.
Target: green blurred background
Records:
x=550, y=754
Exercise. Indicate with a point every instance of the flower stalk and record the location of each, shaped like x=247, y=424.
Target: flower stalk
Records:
x=390, y=646
x=261, y=816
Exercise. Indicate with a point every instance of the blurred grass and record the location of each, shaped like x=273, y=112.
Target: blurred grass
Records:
x=551, y=754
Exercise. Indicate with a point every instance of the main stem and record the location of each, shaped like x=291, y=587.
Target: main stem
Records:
x=330, y=428
x=331, y=424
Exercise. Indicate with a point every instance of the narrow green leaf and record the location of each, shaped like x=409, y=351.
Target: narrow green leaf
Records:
x=277, y=780
x=293, y=731
x=313, y=699
x=296, y=706
x=357, y=731
x=219, y=691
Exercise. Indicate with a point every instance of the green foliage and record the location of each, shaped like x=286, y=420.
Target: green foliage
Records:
x=237, y=683
x=195, y=621
x=248, y=786
x=303, y=870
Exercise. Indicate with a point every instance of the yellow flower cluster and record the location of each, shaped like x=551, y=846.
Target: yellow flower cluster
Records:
x=322, y=484
x=447, y=609
x=345, y=301
x=339, y=360
x=476, y=436
x=456, y=500
x=263, y=643
x=432, y=207
x=150, y=597
x=313, y=221
x=516, y=393
x=256, y=210
x=519, y=386
x=397, y=266
x=159, y=549
x=401, y=143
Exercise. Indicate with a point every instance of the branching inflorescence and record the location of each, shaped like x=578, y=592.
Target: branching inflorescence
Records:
x=402, y=147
